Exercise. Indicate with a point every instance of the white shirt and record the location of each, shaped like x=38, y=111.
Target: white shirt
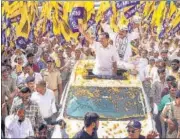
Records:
x=16, y=130
x=104, y=58
x=143, y=62
x=117, y=42
x=21, y=79
x=134, y=34
x=149, y=71
x=155, y=74
x=174, y=55
x=59, y=133
x=45, y=102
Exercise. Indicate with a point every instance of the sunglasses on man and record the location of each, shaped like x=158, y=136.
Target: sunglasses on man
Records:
x=131, y=131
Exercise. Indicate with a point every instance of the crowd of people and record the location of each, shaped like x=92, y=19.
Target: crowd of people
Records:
x=34, y=77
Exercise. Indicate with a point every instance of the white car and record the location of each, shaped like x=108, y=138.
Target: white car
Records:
x=115, y=101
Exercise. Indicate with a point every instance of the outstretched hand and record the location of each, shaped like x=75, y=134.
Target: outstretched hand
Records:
x=152, y=135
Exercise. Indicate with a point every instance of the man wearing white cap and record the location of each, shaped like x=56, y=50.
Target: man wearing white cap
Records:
x=136, y=31
x=121, y=40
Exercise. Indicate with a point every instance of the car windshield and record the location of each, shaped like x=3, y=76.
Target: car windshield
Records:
x=111, y=103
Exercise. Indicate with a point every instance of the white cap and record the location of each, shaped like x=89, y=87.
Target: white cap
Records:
x=123, y=27
x=151, y=58
x=137, y=19
x=156, y=51
x=158, y=59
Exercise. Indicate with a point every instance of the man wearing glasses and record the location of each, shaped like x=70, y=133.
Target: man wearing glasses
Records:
x=134, y=131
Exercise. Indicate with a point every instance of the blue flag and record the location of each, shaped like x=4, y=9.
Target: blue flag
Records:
x=21, y=42
x=130, y=12
x=122, y=4
x=108, y=13
x=77, y=13
x=62, y=40
x=175, y=29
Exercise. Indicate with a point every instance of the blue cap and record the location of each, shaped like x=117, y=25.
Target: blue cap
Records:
x=134, y=124
x=30, y=79
x=178, y=94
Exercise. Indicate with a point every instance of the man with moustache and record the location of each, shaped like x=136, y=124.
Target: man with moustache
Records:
x=17, y=125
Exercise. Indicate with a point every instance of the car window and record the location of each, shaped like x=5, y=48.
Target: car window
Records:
x=112, y=103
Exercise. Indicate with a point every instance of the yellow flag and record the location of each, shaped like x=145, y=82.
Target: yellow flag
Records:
x=56, y=28
x=89, y=6
x=158, y=14
x=148, y=8
x=85, y=9
x=67, y=8
x=172, y=9
x=12, y=7
x=5, y=7
x=32, y=10
x=123, y=21
x=113, y=19
x=65, y=30
x=105, y=5
x=23, y=28
x=176, y=20
x=14, y=11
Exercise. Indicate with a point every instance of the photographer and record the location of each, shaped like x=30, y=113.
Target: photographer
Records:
x=171, y=116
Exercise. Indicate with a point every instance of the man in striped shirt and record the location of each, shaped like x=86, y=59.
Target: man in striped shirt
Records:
x=31, y=108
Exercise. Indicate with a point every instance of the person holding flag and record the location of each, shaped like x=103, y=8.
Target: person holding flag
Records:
x=121, y=41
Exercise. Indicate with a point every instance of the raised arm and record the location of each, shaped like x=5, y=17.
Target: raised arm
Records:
x=106, y=27
x=85, y=34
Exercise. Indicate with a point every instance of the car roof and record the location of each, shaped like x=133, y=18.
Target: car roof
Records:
x=80, y=69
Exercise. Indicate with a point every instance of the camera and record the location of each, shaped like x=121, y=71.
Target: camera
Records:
x=60, y=122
